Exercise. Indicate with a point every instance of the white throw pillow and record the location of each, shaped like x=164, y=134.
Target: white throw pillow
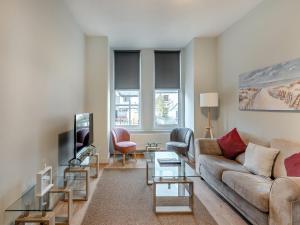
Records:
x=259, y=159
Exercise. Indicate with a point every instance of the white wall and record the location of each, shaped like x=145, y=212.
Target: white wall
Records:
x=189, y=74
x=42, y=86
x=97, y=91
x=268, y=35
x=200, y=61
x=147, y=87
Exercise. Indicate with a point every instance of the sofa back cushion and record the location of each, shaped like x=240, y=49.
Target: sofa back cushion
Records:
x=259, y=159
x=247, y=138
x=287, y=148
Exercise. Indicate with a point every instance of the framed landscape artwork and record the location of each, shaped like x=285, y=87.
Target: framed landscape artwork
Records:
x=275, y=87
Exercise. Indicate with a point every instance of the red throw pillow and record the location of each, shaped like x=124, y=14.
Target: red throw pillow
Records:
x=232, y=144
x=292, y=165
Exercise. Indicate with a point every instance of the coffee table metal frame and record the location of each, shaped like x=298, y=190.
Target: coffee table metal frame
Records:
x=172, y=180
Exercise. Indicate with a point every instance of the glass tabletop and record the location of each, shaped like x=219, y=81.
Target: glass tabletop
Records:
x=30, y=202
x=157, y=169
x=84, y=162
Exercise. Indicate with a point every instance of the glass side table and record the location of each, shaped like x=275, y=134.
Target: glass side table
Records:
x=30, y=203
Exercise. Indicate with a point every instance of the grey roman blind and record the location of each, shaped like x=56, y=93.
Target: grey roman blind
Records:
x=127, y=69
x=167, y=69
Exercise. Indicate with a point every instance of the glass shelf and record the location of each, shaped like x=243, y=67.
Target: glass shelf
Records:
x=30, y=202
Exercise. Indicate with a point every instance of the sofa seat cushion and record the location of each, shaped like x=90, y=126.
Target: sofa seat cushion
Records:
x=253, y=188
x=216, y=165
x=125, y=146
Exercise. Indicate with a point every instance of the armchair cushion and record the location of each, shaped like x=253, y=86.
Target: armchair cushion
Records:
x=180, y=140
x=180, y=147
x=125, y=146
x=121, y=140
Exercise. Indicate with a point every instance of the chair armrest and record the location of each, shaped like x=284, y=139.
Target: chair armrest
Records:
x=284, y=205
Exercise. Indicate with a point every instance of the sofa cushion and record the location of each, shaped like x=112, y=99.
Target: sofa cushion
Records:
x=231, y=144
x=259, y=159
x=241, y=158
x=292, y=165
x=254, y=189
x=287, y=148
x=216, y=165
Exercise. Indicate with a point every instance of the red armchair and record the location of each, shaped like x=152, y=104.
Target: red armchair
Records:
x=121, y=142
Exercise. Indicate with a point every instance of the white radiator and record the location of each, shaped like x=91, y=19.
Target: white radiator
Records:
x=142, y=139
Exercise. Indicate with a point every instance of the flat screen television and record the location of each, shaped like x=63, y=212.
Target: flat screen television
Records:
x=83, y=133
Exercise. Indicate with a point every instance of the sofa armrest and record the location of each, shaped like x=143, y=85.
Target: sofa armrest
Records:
x=285, y=201
x=206, y=146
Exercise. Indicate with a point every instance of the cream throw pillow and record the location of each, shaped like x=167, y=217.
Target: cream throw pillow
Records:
x=259, y=159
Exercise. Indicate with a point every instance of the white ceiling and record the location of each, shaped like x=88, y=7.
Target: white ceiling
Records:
x=157, y=23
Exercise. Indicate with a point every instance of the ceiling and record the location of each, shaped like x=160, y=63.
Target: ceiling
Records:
x=157, y=23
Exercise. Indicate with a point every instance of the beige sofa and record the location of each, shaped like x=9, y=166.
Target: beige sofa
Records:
x=260, y=200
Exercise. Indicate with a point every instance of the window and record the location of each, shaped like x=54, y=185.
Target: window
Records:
x=166, y=107
x=167, y=89
x=127, y=88
x=146, y=96
x=127, y=107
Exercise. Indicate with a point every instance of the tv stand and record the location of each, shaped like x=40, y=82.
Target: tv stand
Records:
x=80, y=172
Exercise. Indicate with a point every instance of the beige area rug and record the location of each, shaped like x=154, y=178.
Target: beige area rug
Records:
x=122, y=197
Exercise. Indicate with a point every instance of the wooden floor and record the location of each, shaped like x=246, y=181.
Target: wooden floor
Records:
x=220, y=210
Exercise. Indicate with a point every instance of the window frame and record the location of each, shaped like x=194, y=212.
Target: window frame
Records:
x=168, y=126
x=147, y=121
x=130, y=127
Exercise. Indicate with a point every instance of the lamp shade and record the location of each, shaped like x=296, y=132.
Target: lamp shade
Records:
x=209, y=99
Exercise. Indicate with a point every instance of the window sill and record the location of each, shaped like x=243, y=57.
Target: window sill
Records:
x=167, y=131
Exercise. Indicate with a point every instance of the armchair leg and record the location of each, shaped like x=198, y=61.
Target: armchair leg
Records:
x=114, y=156
x=123, y=159
x=134, y=155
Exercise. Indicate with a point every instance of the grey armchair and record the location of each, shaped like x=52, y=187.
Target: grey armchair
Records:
x=181, y=141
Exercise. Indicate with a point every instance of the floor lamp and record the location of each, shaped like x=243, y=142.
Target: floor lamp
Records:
x=209, y=100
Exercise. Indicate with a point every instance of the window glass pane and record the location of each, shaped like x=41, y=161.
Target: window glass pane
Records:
x=127, y=111
x=166, y=107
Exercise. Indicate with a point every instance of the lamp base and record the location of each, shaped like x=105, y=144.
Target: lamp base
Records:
x=209, y=130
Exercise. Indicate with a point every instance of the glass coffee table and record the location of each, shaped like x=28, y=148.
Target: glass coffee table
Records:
x=172, y=186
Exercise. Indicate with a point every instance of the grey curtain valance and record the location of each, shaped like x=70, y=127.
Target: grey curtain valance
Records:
x=167, y=69
x=127, y=69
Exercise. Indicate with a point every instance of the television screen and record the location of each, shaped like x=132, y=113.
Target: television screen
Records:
x=83, y=132
x=65, y=147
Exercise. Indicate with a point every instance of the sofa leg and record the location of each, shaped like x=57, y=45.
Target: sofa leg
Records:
x=123, y=159
x=134, y=155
